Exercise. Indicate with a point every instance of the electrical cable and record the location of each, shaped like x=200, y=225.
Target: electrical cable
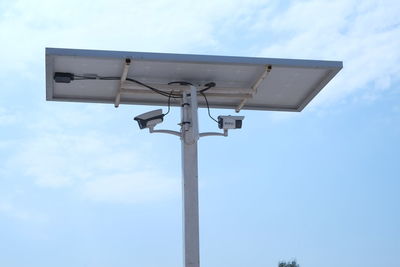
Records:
x=208, y=86
x=158, y=91
x=208, y=106
x=169, y=95
x=155, y=89
x=180, y=83
x=169, y=103
x=163, y=93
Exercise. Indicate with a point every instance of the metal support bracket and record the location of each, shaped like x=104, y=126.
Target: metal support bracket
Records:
x=123, y=79
x=151, y=130
x=225, y=133
x=179, y=134
x=254, y=87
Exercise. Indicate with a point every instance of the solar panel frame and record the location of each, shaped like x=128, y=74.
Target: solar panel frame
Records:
x=279, y=88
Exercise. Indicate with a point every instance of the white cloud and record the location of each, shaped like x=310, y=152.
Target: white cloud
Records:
x=6, y=117
x=362, y=34
x=97, y=163
x=10, y=210
x=134, y=187
x=365, y=35
x=103, y=166
x=160, y=25
x=94, y=164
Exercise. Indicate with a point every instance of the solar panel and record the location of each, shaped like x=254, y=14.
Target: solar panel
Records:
x=240, y=82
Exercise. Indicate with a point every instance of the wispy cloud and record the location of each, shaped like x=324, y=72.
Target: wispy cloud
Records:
x=160, y=25
x=100, y=166
x=94, y=165
x=365, y=35
x=6, y=117
x=12, y=211
x=131, y=187
x=97, y=163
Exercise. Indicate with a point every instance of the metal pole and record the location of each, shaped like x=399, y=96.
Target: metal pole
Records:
x=189, y=138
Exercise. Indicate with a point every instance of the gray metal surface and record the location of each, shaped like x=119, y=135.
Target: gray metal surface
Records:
x=190, y=136
x=290, y=84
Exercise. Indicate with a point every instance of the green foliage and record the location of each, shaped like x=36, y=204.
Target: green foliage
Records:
x=288, y=264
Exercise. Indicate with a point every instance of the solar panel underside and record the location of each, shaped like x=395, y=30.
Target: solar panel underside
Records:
x=257, y=83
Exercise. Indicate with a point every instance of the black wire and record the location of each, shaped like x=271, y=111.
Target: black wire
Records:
x=180, y=83
x=208, y=107
x=158, y=91
x=169, y=103
x=154, y=89
x=169, y=95
x=208, y=86
x=163, y=93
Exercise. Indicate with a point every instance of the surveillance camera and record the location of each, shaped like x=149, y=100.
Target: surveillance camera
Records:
x=150, y=119
x=230, y=122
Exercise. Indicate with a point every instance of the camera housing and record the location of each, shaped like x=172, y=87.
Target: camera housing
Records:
x=230, y=122
x=150, y=119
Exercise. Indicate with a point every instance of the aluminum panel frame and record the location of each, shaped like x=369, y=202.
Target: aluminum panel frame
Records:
x=316, y=75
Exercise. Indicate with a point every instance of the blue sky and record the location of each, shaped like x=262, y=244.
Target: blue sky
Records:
x=81, y=185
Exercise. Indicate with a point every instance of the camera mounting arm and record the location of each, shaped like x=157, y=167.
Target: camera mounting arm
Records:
x=151, y=130
x=225, y=133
